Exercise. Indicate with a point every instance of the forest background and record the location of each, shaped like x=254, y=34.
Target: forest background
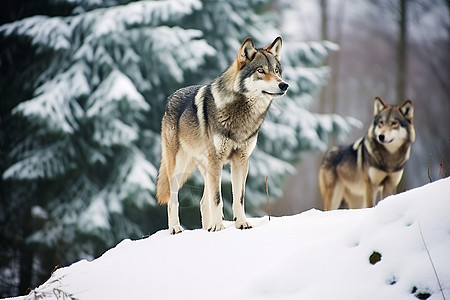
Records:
x=83, y=87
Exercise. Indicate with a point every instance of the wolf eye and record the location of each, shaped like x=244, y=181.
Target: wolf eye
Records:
x=277, y=71
x=260, y=70
x=394, y=123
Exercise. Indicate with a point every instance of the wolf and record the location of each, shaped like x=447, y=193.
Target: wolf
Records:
x=206, y=126
x=374, y=164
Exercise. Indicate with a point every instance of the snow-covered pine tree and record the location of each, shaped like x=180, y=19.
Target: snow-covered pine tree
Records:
x=87, y=140
x=79, y=152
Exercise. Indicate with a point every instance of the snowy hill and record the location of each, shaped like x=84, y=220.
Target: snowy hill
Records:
x=386, y=252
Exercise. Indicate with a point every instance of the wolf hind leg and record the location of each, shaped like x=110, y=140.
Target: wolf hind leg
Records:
x=330, y=183
x=181, y=171
x=337, y=194
x=331, y=189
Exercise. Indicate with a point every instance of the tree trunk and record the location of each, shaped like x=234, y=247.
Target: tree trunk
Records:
x=401, y=70
x=402, y=53
x=26, y=256
x=335, y=58
x=324, y=36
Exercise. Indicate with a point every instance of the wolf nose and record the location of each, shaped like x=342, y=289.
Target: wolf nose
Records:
x=381, y=137
x=283, y=86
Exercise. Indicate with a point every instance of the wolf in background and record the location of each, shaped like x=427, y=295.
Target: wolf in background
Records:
x=359, y=172
x=207, y=126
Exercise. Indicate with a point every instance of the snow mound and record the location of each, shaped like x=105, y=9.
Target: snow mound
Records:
x=398, y=250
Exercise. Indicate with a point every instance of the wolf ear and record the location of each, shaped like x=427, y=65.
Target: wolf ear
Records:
x=246, y=53
x=379, y=105
x=407, y=110
x=275, y=48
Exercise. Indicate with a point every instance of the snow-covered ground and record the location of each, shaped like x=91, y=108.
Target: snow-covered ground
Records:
x=386, y=252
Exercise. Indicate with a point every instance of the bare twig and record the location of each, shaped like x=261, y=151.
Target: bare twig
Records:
x=267, y=192
x=432, y=264
x=60, y=294
x=429, y=167
x=443, y=168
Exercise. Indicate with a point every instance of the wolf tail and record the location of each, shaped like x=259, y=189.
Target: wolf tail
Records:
x=162, y=184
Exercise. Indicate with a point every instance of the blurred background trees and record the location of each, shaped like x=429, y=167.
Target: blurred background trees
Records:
x=83, y=88
x=369, y=34
x=83, y=85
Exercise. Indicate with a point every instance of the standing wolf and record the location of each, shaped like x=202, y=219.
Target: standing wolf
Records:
x=207, y=126
x=373, y=164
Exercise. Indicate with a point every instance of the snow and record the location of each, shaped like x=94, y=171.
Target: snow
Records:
x=313, y=255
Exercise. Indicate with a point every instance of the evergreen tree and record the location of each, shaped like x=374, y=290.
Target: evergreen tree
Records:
x=81, y=153
x=77, y=148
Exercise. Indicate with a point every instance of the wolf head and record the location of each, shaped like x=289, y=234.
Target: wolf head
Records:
x=393, y=126
x=259, y=70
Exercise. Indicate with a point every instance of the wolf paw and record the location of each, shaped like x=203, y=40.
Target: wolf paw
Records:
x=243, y=224
x=175, y=229
x=216, y=227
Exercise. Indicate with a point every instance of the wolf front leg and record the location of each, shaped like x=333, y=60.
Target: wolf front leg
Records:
x=172, y=207
x=239, y=171
x=371, y=193
x=214, y=194
x=391, y=183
